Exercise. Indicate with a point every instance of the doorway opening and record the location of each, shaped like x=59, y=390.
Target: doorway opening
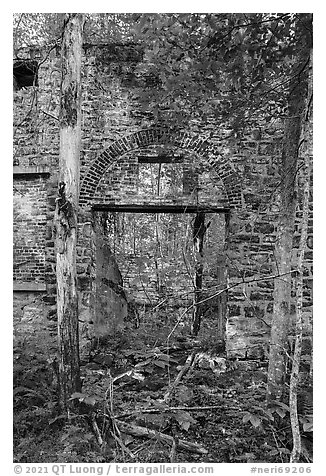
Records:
x=169, y=273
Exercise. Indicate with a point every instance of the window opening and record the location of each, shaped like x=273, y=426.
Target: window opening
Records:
x=25, y=74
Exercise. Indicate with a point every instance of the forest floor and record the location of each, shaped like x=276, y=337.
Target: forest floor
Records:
x=148, y=403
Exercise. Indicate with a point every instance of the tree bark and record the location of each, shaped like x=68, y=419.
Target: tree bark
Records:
x=199, y=231
x=283, y=247
x=66, y=209
x=294, y=378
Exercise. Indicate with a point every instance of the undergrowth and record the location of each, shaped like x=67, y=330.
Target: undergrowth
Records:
x=220, y=408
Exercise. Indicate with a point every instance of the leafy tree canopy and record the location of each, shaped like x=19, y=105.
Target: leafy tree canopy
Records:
x=220, y=65
x=234, y=68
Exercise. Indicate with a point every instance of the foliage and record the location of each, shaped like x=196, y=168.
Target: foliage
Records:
x=36, y=30
x=45, y=29
x=230, y=430
x=233, y=67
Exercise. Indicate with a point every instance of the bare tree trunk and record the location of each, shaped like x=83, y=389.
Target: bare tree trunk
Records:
x=66, y=208
x=294, y=379
x=199, y=231
x=197, y=312
x=296, y=451
x=283, y=247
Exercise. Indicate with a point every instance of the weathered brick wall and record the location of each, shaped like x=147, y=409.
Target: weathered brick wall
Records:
x=251, y=247
x=29, y=214
x=241, y=175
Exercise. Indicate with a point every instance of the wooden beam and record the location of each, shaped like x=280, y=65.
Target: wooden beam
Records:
x=145, y=208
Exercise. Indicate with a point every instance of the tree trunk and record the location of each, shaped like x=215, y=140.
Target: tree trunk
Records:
x=295, y=455
x=294, y=379
x=199, y=231
x=66, y=209
x=283, y=247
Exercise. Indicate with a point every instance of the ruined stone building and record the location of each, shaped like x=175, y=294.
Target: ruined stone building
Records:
x=142, y=184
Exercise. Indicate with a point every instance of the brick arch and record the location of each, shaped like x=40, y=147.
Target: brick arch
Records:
x=157, y=136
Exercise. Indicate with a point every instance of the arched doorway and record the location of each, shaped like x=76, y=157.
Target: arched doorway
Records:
x=145, y=193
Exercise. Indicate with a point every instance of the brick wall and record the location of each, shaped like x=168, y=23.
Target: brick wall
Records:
x=30, y=212
x=240, y=176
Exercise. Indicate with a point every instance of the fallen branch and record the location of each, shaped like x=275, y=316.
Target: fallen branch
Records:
x=123, y=446
x=167, y=409
x=145, y=432
x=173, y=451
x=96, y=430
x=183, y=371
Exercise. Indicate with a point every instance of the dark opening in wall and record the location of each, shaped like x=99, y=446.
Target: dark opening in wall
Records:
x=25, y=74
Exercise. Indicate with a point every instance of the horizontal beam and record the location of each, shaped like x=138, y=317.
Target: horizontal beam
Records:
x=158, y=208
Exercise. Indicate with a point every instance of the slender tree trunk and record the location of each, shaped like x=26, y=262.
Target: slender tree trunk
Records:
x=197, y=313
x=283, y=247
x=295, y=455
x=198, y=239
x=294, y=378
x=66, y=208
